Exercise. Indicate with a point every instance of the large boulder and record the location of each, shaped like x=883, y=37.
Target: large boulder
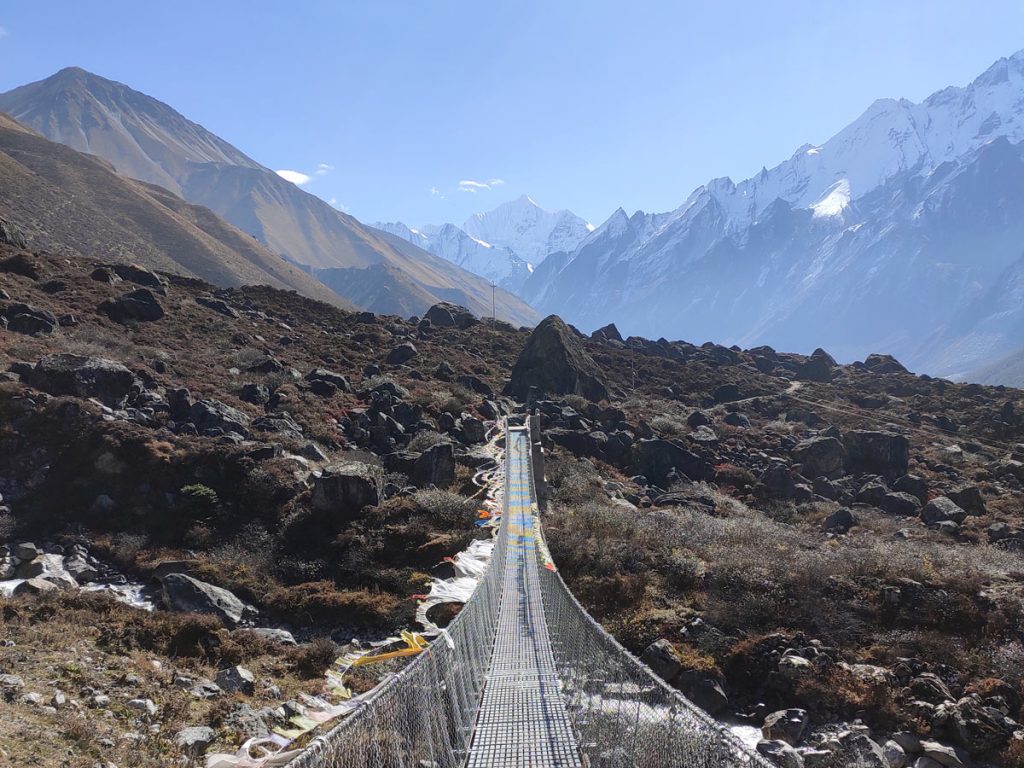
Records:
x=883, y=364
x=134, y=273
x=184, y=593
x=662, y=659
x=819, y=456
x=607, y=333
x=80, y=376
x=448, y=315
x=879, y=453
x=139, y=304
x=344, y=489
x=213, y=415
x=788, y=725
x=942, y=509
x=30, y=320
x=554, y=362
x=818, y=367
x=401, y=354
x=435, y=466
x=655, y=459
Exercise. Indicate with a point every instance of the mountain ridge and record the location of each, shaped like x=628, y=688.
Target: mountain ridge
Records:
x=146, y=138
x=505, y=244
x=768, y=260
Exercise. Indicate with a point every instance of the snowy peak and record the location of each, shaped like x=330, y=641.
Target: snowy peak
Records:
x=494, y=263
x=527, y=229
x=891, y=137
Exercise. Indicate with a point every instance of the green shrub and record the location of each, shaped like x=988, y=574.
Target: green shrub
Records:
x=199, y=500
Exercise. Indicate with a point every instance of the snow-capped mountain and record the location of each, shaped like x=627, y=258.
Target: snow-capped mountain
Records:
x=497, y=264
x=531, y=232
x=503, y=245
x=888, y=237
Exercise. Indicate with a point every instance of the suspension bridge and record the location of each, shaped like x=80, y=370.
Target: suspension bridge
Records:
x=525, y=678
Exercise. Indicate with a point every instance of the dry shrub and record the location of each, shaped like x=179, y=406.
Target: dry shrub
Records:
x=447, y=509
x=840, y=691
x=1013, y=755
x=313, y=659
x=322, y=601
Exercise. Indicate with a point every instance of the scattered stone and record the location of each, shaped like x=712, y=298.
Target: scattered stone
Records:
x=780, y=753
x=146, y=706
x=789, y=725
x=236, y=678
x=194, y=741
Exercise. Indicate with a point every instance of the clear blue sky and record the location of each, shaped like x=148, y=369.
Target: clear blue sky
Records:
x=584, y=104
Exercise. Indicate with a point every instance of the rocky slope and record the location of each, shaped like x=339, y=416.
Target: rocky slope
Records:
x=775, y=532
x=896, y=235
x=148, y=140
x=70, y=203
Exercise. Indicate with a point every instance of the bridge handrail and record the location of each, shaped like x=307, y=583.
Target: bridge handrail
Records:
x=654, y=725
x=622, y=713
x=424, y=714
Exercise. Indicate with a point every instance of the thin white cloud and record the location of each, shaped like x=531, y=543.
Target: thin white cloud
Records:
x=295, y=177
x=323, y=169
x=333, y=202
x=435, y=192
x=468, y=185
x=3, y=31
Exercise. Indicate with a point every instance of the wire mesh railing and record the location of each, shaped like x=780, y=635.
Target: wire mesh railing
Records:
x=423, y=717
x=621, y=713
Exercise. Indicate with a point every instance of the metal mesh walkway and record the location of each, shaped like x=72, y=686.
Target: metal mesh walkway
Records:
x=524, y=677
x=522, y=720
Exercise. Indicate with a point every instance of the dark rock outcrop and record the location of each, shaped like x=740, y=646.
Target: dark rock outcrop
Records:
x=183, y=593
x=344, y=489
x=27, y=319
x=66, y=374
x=880, y=453
x=139, y=305
x=401, y=354
x=554, y=362
x=656, y=459
x=819, y=456
x=447, y=315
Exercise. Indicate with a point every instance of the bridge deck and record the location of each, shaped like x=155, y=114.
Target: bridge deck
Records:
x=522, y=720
